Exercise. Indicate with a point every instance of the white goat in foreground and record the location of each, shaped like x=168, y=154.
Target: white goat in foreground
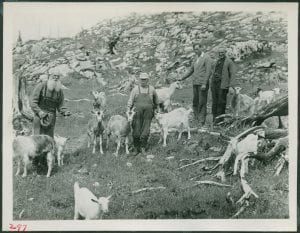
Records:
x=60, y=143
x=177, y=119
x=26, y=148
x=120, y=127
x=96, y=129
x=165, y=94
x=87, y=205
x=241, y=103
x=99, y=99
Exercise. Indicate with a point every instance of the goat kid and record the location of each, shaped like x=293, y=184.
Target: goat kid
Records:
x=241, y=103
x=120, y=127
x=60, y=143
x=96, y=129
x=99, y=99
x=177, y=119
x=87, y=205
x=26, y=148
x=165, y=94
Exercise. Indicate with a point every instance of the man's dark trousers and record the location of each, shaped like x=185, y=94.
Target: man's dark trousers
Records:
x=200, y=103
x=219, y=98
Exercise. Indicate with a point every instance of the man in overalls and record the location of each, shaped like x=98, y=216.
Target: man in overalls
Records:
x=46, y=99
x=144, y=98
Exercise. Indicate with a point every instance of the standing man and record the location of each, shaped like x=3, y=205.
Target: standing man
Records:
x=223, y=79
x=200, y=71
x=46, y=99
x=144, y=98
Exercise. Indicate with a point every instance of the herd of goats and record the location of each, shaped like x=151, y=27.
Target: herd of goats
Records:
x=87, y=205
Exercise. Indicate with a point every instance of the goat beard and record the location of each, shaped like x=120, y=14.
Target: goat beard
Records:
x=53, y=85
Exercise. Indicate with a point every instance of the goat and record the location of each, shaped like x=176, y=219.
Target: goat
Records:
x=99, y=99
x=165, y=94
x=87, y=205
x=60, y=143
x=177, y=119
x=241, y=103
x=119, y=127
x=268, y=96
x=96, y=129
x=27, y=148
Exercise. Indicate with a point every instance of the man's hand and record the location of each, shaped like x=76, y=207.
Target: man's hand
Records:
x=42, y=114
x=203, y=87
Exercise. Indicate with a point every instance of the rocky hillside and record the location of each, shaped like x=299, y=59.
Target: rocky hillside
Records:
x=161, y=45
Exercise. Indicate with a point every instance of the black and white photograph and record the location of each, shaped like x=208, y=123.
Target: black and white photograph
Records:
x=150, y=116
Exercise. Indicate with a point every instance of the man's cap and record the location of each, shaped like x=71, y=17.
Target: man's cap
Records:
x=221, y=50
x=54, y=72
x=144, y=76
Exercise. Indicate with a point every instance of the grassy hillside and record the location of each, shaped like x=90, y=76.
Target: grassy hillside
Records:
x=161, y=45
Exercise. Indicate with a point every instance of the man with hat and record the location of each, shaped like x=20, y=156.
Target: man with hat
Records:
x=223, y=79
x=200, y=71
x=144, y=99
x=46, y=99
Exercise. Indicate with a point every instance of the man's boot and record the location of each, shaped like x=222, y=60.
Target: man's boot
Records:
x=143, y=145
x=137, y=146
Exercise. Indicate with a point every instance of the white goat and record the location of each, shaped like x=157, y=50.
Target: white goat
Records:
x=165, y=94
x=119, y=127
x=87, y=205
x=60, y=143
x=243, y=148
x=177, y=119
x=268, y=96
x=27, y=148
x=99, y=99
x=241, y=103
x=96, y=129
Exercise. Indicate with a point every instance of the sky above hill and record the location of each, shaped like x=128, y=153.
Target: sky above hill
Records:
x=37, y=20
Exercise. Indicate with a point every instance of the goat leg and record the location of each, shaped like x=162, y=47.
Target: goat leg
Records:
x=100, y=142
x=118, y=147
x=26, y=162
x=126, y=145
x=19, y=167
x=50, y=163
x=94, y=144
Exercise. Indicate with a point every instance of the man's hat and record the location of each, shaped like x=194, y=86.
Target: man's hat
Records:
x=54, y=71
x=221, y=50
x=144, y=76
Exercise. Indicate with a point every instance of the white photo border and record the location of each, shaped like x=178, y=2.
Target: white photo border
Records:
x=10, y=9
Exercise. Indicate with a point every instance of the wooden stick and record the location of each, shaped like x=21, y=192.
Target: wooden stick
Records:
x=241, y=210
x=77, y=100
x=146, y=189
x=200, y=161
x=212, y=183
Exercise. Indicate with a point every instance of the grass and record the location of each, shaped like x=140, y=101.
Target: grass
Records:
x=52, y=198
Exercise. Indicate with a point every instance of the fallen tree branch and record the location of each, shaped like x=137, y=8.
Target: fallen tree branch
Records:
x=212, y=183
x=247, y=192
x=147, y=189
x=200, y=161
x=241, y=210
x=78, y=100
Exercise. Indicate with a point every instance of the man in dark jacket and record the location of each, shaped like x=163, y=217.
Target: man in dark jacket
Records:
x=200, y=71
x=47, y=98
x=222, y=80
